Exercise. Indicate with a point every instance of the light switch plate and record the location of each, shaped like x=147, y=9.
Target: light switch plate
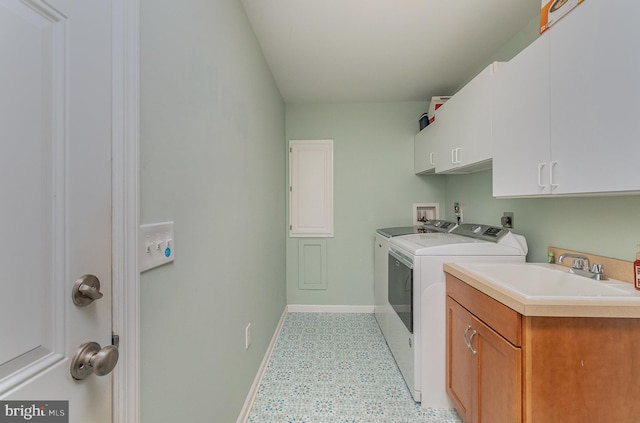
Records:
x=155, y=245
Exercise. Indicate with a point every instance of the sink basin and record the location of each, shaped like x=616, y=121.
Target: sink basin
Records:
x=542, y=280
x=541, y=289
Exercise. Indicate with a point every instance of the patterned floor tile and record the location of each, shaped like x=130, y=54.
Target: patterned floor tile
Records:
x=336, y=367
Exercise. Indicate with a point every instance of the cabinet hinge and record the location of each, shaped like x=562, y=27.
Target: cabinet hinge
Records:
x=290, y=149
x=290, y=227
x=290, y=189
x=115, y=340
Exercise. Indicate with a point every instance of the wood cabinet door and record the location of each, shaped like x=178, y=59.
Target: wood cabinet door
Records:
x=461, y=363
x=484, y=370
x=498, y=377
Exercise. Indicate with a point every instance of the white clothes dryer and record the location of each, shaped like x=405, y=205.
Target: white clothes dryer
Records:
x=416, y=331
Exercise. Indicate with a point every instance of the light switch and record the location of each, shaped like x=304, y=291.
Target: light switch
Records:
x=155, y=245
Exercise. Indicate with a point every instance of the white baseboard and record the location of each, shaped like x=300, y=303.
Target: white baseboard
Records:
x=305, y=308
x=248, y=402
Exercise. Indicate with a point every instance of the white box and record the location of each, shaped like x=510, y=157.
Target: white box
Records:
x=436, y=102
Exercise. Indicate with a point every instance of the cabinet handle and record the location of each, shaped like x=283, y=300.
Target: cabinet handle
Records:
x=458, y=155
x=453, y=155
x=540, y=166
x=431, y=158
x=464, y=337
x=553, y=185
x=474, y=333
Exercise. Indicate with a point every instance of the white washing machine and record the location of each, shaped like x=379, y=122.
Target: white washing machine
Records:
x=415, y=330
x=382, y=310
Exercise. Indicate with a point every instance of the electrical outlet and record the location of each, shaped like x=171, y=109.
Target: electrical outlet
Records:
x=247, y=336
x=457, y=210
x=507, y=220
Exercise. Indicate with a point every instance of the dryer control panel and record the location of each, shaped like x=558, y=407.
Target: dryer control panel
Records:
x=484, y=232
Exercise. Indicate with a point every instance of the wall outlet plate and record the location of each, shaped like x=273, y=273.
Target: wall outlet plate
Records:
x=155, y=245
x=507, y=220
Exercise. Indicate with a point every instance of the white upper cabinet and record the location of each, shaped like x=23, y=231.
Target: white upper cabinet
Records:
x=424, y=149
x=567, y=108
x=595, y=98
x=521, y=147
x=464, y=140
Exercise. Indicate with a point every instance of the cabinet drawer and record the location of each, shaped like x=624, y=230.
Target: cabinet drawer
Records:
x=497, y=316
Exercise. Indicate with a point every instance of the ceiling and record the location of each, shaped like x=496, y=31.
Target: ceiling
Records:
x=326, y=51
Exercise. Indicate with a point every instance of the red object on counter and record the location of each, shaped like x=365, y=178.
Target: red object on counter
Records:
x=636, y=271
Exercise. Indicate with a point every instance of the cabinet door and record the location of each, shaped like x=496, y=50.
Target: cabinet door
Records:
x=311, y=188
x=484, y=371
x=465, y=141
x=595, y=112
x=461, y=363
x=521, y=147
x=498, y=377
x=424, y=149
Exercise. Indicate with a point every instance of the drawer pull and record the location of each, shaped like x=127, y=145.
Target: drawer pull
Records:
x=468, y=342
x=464, y=336
x=474, y=333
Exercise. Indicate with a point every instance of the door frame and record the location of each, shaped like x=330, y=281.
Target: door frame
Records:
x=125, y=207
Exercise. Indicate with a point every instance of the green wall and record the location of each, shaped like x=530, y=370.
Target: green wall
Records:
x=212, y=128
x=374, y=187
x=214, y=160
x=605, y=225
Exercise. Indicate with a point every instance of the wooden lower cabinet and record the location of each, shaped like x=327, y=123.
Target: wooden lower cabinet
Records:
x=483, y=370
x=505, y=367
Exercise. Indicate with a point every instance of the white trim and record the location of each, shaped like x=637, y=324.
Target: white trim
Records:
x=125, y=197
x=306, y=308
x=253, y=391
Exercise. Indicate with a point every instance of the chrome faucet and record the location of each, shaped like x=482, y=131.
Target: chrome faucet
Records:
x=578, y=260
x=579, y=267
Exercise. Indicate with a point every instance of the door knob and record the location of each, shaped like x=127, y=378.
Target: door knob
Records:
x=90, y=358
x=86, y=290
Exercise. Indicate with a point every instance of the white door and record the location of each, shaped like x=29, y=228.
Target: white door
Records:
x=55, y=198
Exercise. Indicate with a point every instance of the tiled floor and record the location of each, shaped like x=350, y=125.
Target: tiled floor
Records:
x=330, y=367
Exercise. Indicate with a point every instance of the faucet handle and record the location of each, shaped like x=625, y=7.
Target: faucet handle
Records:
x=578, y=263
x=598, y=272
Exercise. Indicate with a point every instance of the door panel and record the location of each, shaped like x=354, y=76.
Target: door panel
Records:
x=596, y=147
x=55, y=181
x=461, y=363
x=521, y=143
x=499, y=377
x=30, y=216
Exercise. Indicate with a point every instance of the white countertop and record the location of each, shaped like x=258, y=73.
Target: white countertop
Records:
x=540, y=289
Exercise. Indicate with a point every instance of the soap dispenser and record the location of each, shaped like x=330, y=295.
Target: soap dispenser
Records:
x=636, y=271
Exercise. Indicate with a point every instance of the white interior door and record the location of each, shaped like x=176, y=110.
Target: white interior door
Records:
x=55, y=187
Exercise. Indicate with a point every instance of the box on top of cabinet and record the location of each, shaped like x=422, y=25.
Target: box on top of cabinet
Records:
x=551, y=11
x=436, y=102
